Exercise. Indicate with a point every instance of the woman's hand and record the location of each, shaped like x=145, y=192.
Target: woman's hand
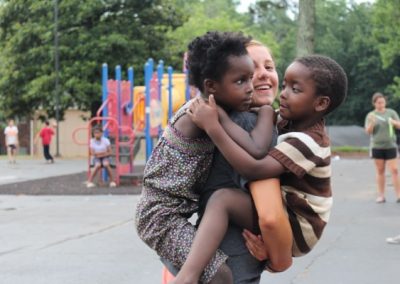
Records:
x=371, y=119
x=255, y=245
x=203, y=114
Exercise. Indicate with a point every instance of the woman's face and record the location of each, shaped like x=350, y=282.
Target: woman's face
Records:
x=380, y=104
x=265, y=78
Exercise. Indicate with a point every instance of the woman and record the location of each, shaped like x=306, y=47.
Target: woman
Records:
x=379, y=124
x=245, y=267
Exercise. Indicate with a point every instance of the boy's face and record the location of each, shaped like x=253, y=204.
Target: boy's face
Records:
x=298, y=94
x=234, y=90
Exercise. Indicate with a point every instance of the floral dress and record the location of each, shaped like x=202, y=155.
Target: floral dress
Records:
x=177, y=166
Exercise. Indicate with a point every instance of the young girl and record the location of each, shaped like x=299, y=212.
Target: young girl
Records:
x=218, y=64
x=313, y=86
x=100, y=150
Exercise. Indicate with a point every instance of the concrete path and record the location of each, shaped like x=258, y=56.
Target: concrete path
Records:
x=91, y=239
x=27, y=169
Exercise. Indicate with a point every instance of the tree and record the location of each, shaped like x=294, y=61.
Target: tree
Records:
x=90, y=33
x=386, y=20
x=209, y=15
x=305, y=34
x=344, y=32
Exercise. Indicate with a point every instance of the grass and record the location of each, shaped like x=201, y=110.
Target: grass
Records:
x=350, y=149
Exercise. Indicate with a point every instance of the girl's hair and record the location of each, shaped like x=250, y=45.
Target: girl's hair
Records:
x=96, y=128
x=208, y=55
x=329, y=77
x=376, y=96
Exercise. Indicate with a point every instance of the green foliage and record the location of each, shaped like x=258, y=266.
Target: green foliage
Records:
x=90, y=33
x=363, y=38
x=386, y=32
x=350, y=149
x=386, y=20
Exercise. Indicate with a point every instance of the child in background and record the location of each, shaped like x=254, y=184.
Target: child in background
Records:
x=100, y=150
x=46, y=133
x=313, y=86
x=218, y=64
x=11, y=135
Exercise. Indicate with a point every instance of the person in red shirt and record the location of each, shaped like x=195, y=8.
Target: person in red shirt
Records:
x=45, y=134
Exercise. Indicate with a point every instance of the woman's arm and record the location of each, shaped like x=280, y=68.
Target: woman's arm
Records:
x=257, y=142
x=274, y=223
x=370, y=123
x=205, y=116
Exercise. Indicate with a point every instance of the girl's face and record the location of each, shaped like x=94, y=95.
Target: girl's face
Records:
x=97, y=134
x=234, y=90
x=380, y=104
x=298, y=95
x=265, y=78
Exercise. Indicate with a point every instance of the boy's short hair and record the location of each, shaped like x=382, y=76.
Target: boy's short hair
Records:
x=208, y=55
x=330, y=78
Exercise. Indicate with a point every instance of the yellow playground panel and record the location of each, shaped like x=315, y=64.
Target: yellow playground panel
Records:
x=159, y=112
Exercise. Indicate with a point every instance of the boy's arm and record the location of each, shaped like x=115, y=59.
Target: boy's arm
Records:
x=206, y=117
x=257, y=142
x=274, y=223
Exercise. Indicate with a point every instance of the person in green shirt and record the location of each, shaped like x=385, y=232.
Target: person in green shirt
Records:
x=380, y=124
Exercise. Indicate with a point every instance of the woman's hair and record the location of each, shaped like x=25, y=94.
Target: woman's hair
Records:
x=376, y=96
x=254, y=42
x=208, y=55
x=329, y=77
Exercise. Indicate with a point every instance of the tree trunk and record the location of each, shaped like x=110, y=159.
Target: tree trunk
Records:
x=305, y=35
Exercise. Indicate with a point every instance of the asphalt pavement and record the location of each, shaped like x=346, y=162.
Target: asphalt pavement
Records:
x=91, y=238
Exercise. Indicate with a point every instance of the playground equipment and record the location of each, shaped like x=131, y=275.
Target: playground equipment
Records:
x=130, y=114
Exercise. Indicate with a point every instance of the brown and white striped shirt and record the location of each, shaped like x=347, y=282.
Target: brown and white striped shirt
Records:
x=306, y=186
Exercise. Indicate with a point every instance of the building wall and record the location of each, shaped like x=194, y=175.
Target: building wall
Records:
x=68, y=148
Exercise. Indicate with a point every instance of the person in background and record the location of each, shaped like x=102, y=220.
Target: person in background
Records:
x=11, y=137
x=46, y=134
x=100, y=150
x=380, y=124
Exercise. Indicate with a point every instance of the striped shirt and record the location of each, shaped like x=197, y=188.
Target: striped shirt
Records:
x=306, y=186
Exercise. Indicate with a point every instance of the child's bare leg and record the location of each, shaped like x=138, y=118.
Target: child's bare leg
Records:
x=9, y=154
x=171, y=235
x=109, y=170
x=223, y=206
x=96, y=169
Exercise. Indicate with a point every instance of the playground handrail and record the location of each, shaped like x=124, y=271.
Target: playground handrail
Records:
x=103, y=105
x=74, y=136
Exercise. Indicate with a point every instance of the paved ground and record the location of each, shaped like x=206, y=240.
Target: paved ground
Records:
x=91, y=238
x=65, y=177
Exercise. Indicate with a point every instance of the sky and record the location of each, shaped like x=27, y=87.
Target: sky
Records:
x=244, y=4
